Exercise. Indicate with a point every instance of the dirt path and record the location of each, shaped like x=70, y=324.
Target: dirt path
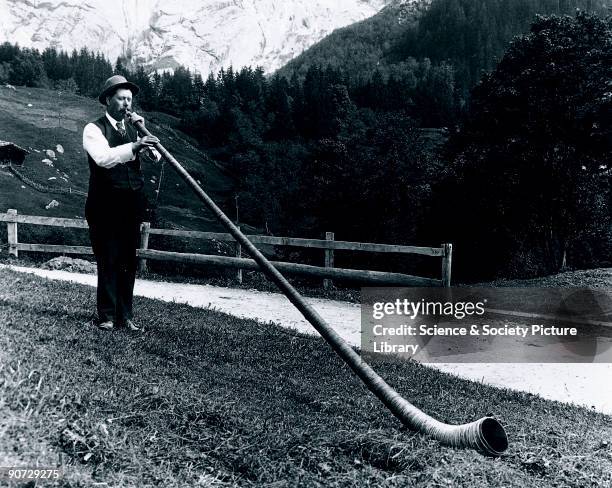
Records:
x=582, y=384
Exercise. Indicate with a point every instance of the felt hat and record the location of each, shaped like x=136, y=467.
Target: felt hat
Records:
x=114, y=82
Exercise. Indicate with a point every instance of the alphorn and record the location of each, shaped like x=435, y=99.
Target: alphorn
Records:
x=485, y=435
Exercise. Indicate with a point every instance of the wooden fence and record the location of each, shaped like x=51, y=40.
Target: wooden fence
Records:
x=328, y=272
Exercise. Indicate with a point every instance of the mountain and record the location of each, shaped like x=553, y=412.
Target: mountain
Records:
x=201, y=35
x=359, y=48
x=469, y=35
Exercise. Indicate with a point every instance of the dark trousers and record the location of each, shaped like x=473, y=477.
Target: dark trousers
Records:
x=114, y=229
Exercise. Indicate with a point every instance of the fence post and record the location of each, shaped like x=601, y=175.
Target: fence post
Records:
x=144, y=244
x=447, y=260
x=11, y=230
x=238, y=255
x=329, y=260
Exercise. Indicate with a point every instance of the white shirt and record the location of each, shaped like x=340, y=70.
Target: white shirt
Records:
x=105, y=156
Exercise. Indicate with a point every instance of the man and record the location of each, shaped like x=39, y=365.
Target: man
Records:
x=116, y=202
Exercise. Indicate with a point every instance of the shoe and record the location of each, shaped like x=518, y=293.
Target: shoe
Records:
x=108, y=325
x=132, y=326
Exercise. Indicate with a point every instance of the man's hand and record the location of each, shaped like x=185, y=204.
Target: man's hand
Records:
x=145, y=142
x=133, y=117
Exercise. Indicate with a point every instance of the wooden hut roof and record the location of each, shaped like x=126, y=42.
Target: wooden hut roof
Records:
x=10, y=151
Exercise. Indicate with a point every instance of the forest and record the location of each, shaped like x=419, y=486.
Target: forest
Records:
x=504, y=153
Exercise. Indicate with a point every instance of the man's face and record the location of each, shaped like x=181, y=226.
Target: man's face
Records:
x=119, y=102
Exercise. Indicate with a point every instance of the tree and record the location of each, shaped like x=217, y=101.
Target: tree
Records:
x=28, y=69
x=198, y=91
x=435, y=97
x=531, y=164
x=146, y=96
x=50, y=60
x=8, y=52
x=84, y=74
x=67, y=86
x=278, y=105
x=121, y=68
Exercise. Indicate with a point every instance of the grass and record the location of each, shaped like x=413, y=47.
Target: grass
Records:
x=206, y=399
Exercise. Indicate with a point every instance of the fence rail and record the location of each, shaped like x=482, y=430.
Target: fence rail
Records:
x=301, y=242
x=329, y=245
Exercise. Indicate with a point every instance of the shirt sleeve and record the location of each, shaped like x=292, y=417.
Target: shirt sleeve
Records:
x=97, y=147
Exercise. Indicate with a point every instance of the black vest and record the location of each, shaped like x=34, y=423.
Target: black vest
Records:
x=126, y=176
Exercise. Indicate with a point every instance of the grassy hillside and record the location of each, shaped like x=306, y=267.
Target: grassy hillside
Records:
x=205, y=399
x=40, y=119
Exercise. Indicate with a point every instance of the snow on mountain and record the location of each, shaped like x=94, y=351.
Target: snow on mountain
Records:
x=202, y=35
